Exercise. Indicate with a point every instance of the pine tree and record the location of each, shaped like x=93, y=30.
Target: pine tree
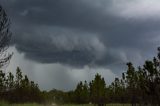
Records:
x=98, y=90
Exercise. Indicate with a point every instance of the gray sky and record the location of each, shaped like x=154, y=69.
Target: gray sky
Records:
x=60, y=42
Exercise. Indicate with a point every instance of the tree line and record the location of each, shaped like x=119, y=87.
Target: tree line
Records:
x=18, y=88
x=136, y=86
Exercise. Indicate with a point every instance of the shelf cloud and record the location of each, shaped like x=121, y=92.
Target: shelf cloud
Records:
x=94, y=33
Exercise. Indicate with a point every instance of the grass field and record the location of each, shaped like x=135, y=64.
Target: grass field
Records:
x=34, y=104
x=93, y=105
x=27, y=104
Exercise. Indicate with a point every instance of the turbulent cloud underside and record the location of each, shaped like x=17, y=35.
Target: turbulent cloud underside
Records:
x=79, y=33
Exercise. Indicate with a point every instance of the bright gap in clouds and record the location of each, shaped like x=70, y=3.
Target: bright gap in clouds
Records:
x=136, y=9
x=56, y=75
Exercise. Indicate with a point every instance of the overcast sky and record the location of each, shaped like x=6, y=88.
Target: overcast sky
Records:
x=57, y=43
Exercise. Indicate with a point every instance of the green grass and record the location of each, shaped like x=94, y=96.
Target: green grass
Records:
x=34, y=104
x=93, y=105
x=2, y=103
x=26, y=104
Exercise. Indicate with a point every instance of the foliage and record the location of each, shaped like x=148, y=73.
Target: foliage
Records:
x=98, y=90
x=136, y=86
x=18, y=89
x=82, y=93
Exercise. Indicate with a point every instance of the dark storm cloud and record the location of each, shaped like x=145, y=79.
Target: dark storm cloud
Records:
x=68, y=13
x=78, y=32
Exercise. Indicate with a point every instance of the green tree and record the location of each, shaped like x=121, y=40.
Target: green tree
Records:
x=2, y=81
x=10, y=80
x=2, y=84
x=118, y=90
x=152, y=80
x=82, y=93
x=5, y=36
x=85, y=92
x=131, y=79
x=98, y=90
x=18, y=77
x=78, y=93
